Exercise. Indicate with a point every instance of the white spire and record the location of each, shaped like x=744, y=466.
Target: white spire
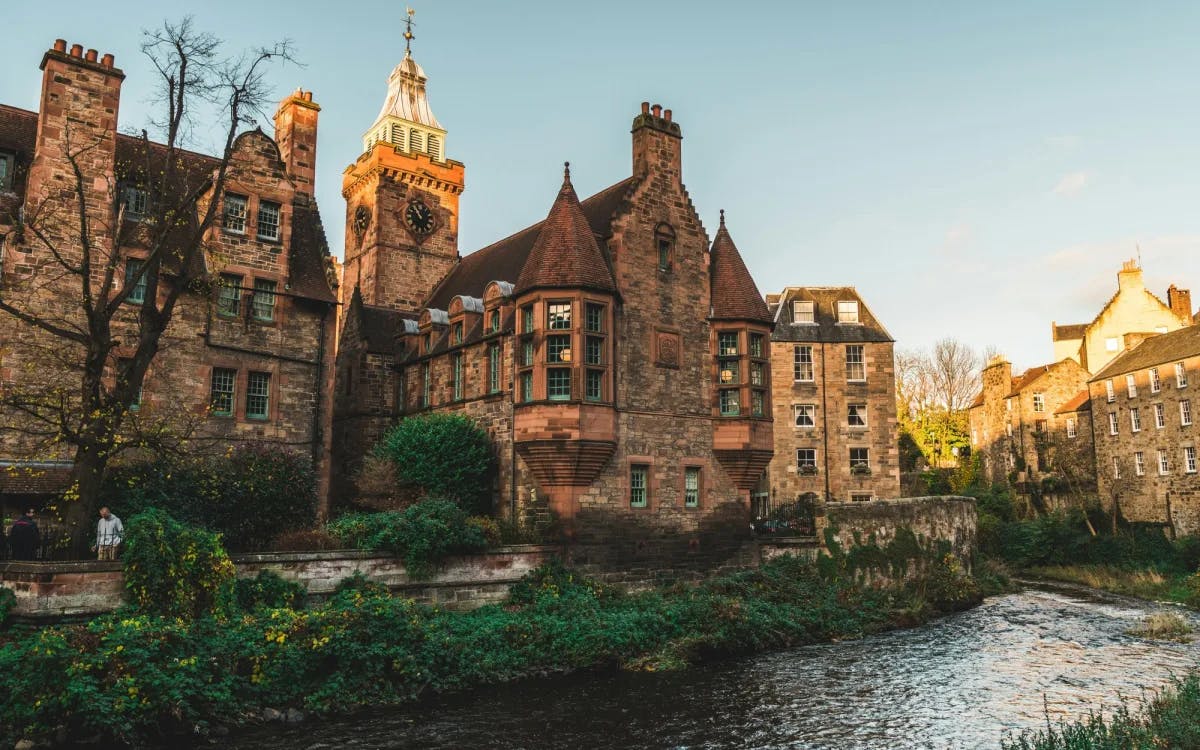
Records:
x=406, y=121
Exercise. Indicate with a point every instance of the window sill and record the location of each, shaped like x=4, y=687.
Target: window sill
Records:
x=233, y=232
x=269, y=240
x=251, y=418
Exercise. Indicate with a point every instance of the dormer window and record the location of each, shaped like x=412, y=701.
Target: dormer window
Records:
x=803, y=312
x=847, y=312
x=458, y=333
x=664, y=240
x=494, y=321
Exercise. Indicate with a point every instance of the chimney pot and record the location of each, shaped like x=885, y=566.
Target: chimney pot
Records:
x=91, y=55
x=60, y=45
x=107, y=60
x=76, y=50
x=645, y=107
x=657, y=109
x=308, y=96
x=667, y=114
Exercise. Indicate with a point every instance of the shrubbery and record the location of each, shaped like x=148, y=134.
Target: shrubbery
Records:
x=421, y=534
x=175, y=570
x=447, y=455
x=8, y=600
x=250, y=495
x=268, y=590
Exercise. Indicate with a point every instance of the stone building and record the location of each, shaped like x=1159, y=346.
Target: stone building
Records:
x=834, y=393
x=1016, y=420
x=1145, y=431
x=1133, y=309
x=248, y=358
x=617, y=359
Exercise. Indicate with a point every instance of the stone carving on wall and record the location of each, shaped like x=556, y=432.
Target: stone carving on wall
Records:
x=666, y=349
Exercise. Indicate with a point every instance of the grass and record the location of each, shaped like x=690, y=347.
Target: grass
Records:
x=1143, y=583
x=1163, y=626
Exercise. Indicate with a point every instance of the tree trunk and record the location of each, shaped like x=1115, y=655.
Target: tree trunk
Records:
x=86, y=479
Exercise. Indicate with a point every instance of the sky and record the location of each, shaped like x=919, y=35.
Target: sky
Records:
x=976, y=170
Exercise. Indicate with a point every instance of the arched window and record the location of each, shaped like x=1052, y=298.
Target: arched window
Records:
x=664, y=243
x=435, y=146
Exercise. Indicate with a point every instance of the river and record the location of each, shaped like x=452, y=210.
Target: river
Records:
x=960, y=682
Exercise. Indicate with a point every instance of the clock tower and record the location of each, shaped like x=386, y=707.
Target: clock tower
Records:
x=402, y=198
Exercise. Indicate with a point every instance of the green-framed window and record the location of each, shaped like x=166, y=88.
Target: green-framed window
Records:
x=558, y=348
x=458, y=377
x=137, y=294
x=594, y=386
x=526, y=387
x=258, y=395
x=593, y=319
x=494, y=368
x=639, y=490
x=558, y=384
x=730, y=402
x=264, y=300
x=593, y=351
x=221, y=394
x=727, y=343
x=558, y=316
x=691, y=487
x=229, y=296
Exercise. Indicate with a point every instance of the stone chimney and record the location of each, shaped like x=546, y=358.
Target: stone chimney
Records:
x=1180, y=302
x=1130, y=276
x=1132, y=339
x=657, y=143
x=296, y=134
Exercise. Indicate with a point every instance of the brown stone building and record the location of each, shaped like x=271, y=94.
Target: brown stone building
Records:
x=248, y=358
x=617, y=359
x=834, y=393
x=1015, y=421
x=1145, y=433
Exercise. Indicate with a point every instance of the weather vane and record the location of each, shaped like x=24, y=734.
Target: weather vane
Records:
x=408, y=35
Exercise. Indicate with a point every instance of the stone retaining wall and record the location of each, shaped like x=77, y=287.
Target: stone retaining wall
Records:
x=942, y=518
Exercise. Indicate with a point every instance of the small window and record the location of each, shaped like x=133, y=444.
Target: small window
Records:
x=222, y=391
x=593, y=352
x=806, y=458
x=426, y=386
x=758, y=373
x=1112, y=423
x=860, y=458
x=1070, y=428
x=664, y=242
x=457, y=373
x=1135, y=420
x=756, y=345
x=856, y=415
x=1008, y=429
x=268, y=220
x=729, y=402
x=457, y=333
x=803, y=364
x=235, y=213
x=1039, y=402
x=558, y=384
x=1109, y=393
x=860, y=497
x=1164, y=467
x=806, y=415
x=527, y=319
x=728, y=371
x=258, y=395
x=1185, y=412
x=847, y=312
x=803, y=311
x=1155, y=381
x=558, y=316
x=758, y=403
x=727, y=343
x=593, y=318
x=594, y=386
x=7, y=170
x=136, y=285
x=493, y=368
x=1130, y=386
x=1139, y=464
x=1189, y=459
x=229, y=296
x=639, y=491
x=1116, y=467
x=558, y=349
x=856, y=369
x=526, y=387
x=136, y=201
x=1160, y=416
x=494, y=321
x=1112, y=344
x=1180, y=375
x=264, y=300
x=691, y=487
x=527, y=353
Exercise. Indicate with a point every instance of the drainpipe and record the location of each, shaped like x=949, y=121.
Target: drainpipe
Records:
x=825, y=420
x=318, y=435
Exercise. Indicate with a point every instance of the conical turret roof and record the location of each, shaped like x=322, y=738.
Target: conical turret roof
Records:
x=565, y=253
x=734, y=293
x=406, y=95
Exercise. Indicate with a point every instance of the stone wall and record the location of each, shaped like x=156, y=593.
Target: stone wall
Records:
x=950, y=519
x=57, y=590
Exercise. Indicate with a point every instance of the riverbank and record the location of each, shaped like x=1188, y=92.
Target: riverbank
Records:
x=1143, y=583
x=138, y=678
x=1171, y=720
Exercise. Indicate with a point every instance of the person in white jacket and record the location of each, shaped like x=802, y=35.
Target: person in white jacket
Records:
x=109, y=533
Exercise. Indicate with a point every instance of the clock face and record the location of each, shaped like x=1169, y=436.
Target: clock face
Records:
x=418, y=218
x=362, y=218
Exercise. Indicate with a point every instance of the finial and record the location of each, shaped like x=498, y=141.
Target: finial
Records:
x=408, y=35
x=566, y=171
x=722, y=217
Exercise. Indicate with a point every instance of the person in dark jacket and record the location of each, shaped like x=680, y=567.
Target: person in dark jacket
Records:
x=23, y=537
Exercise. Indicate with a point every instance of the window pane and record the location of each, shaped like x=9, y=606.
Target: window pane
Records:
x=803, y=364
x=802, y=312
x=229, y=296
x=558, y=384
x=258, y=388
x=264, y=300
x=806, y=458
x=594, y=354
x=847, y=312
x=729, y=402
x=756, y=345
x=268, y=220
x=595, y=318
x=757, y=376
x=558, y=317
x=855, y=366
x=527, y=352
x=132, y=268
x=758, y=403
x=727, y=343
x=526, y=386
x=494, y=368
x=859, y=457
x=691, y=487
x=558, y=348
x=235, y=213
x=527, y=319
x=806, y=415
x=221, y=394
x=727, y=370
x=457, y=365
x=595, y=385
x=638, y=491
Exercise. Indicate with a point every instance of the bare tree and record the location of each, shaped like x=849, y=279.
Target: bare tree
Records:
x=83, y=242
x=933, y=390
x=955, y=374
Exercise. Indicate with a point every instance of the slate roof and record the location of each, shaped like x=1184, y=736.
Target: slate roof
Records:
x=1079, y=402
x=307, y=278
x=826, y=329
x=1069, y=332
x=1155, y=350
x=504, y=260
x=734, y=294
x=1026, y=379
x=565, y=253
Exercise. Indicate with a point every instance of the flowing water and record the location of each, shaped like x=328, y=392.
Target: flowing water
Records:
x=960, y=682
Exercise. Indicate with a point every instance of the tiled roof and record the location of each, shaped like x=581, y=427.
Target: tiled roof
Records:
x=1069, y=332
x=1079, y=402
x=977, y=402
x=1026, y=379
x=1155, y=350
x=309, y=254
x=734, y=294
x=380, y=327
x=503, y=260
x=826, y=328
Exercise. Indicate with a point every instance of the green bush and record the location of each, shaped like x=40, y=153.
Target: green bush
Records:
x=250, y=496
x=268, y=590
x=176, y=570
x=421, y=534
x=8, y=600
x=445, y=455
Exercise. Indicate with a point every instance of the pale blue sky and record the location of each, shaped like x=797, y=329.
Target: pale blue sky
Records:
x=976, y=170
